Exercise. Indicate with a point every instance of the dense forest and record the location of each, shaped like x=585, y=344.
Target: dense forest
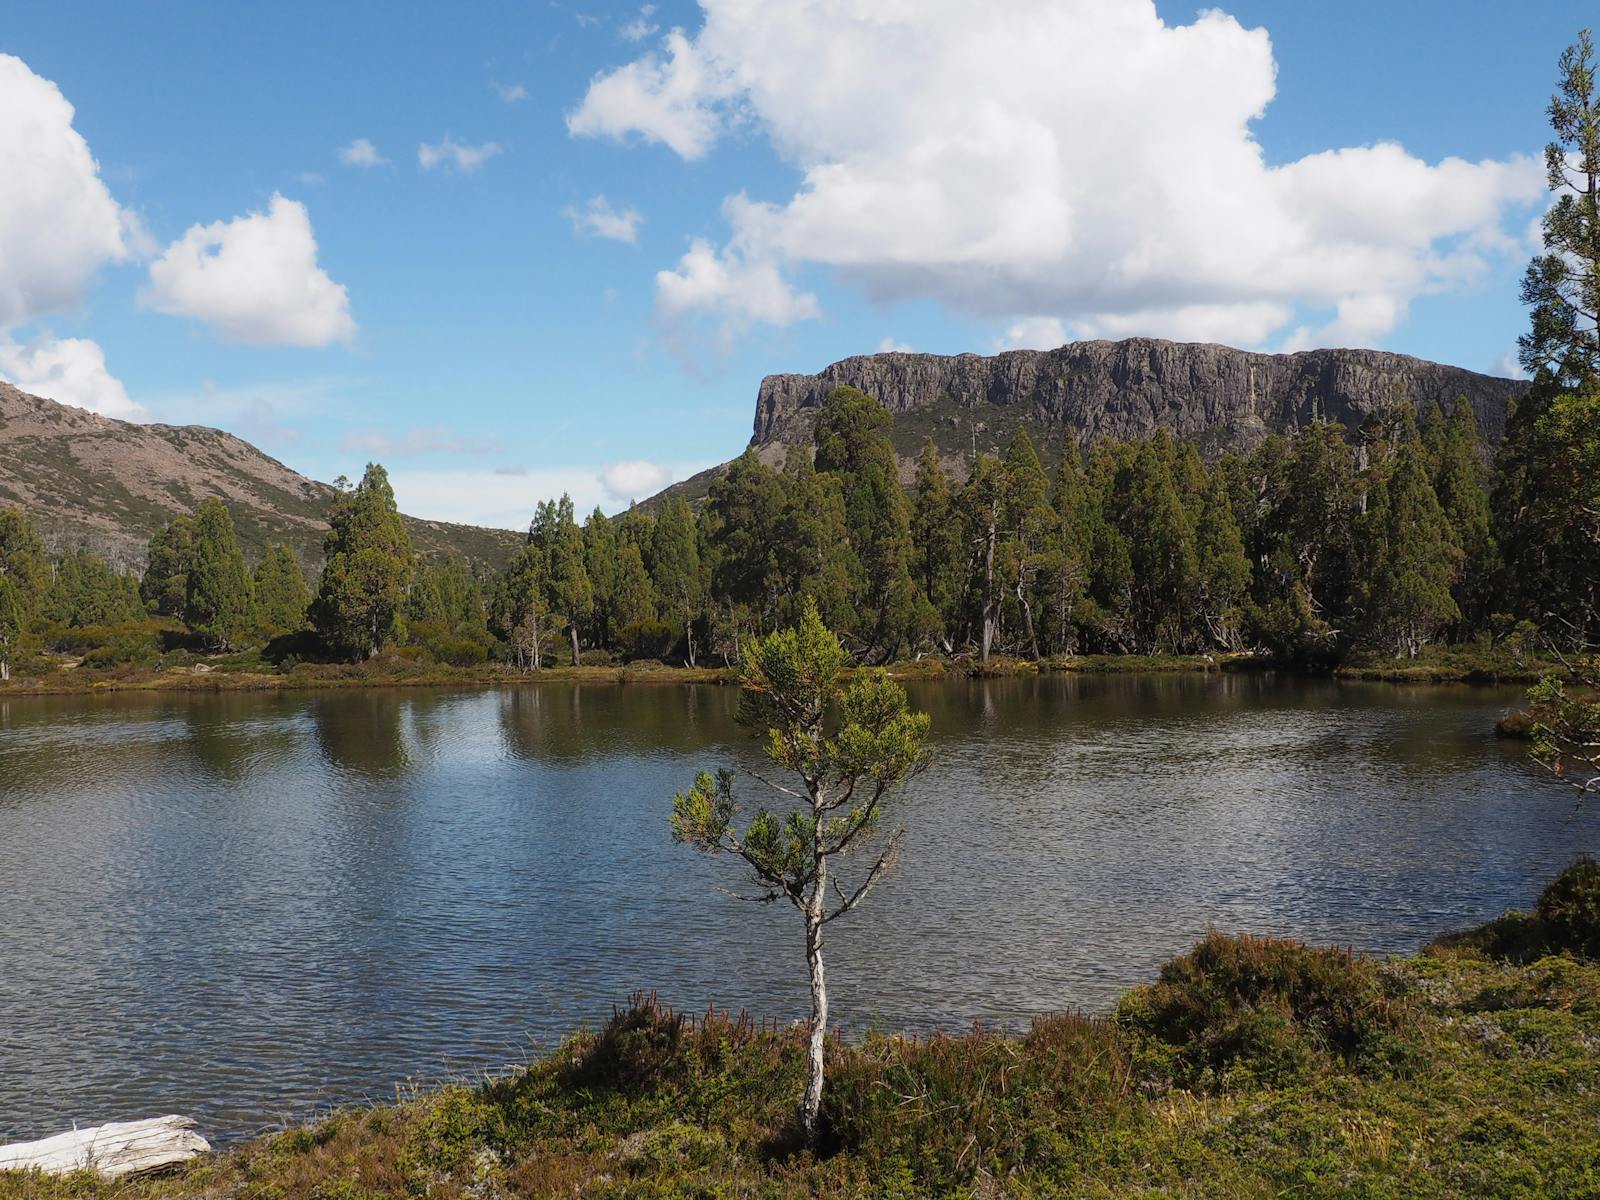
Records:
x=1306, y=550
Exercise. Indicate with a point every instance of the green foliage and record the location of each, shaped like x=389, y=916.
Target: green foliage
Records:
x=165, y=586
x=366, y=570
x=282, y=596
x=647, y=638
x=1569, y=909
x=23, y=563
x=1267, y=1006
x=569, y=596
x=219, y=601
x=86, y=591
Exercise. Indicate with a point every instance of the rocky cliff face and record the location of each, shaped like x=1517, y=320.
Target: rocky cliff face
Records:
x=1220, y=398
x=108, y=485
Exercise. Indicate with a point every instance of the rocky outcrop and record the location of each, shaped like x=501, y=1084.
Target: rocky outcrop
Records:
x=1216, y=396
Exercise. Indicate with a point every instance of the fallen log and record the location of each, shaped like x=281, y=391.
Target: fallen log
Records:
x=121, y=1148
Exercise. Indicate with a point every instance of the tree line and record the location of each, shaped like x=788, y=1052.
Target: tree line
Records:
x=1310, y=547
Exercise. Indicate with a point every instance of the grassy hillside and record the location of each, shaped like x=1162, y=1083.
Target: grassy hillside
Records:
x=1252, y=1067
x=108, y=485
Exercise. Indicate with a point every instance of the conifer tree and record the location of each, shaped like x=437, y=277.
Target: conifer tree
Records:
x=460, y=598
x=1224, y=570
x=11, y=623
x=1409, y=559
x=1066, y=572
x=1161, y=546
x=165, y=586
x=423, y=605
x=852, y=744
x=23, y=562
x=1458, y=482
x=600, y=550
x=853, y=443
x=1547, y=498
x=282, y=596
x=633, y=598
x=676, y=570
x=812, y=552
x=366, y=569
x=569, y=592
x=936, y=538
x=743, y=511
x=219, y=602
x=86, y=591
x=1029, y=524
x=522, y=615
x=982, y=508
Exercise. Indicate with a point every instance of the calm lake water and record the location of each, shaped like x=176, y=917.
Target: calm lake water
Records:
x=247, y=907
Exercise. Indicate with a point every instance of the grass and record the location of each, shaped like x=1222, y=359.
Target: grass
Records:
x=1251, y=1067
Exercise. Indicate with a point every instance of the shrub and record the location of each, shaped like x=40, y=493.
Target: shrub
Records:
x=944, y=1108
x=1569, y=909
x=1268, y=1008
x=1566, y=920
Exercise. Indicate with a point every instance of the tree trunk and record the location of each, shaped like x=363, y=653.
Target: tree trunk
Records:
x=812, y=1104
x=1027, y=618
x=572, y=632
x=688, y=633
x=988, y=594
x=5, y=668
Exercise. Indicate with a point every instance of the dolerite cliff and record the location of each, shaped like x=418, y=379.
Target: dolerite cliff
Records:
x=1220, y=398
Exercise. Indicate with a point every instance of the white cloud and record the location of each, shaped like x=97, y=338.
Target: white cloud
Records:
x=1508, y=365
x=254, y=279
x=641, y=26
x=1032, y=333
x=736, y=290
x=361, y=153
x=1107, y=176
x=890, y=346
x=435, y=440
x=511, y=93
x=448, y=152
x=504, y=497
x=58, y=222
x=669, y=101
x=634, y=480
x=599, y=219
x=67, y=370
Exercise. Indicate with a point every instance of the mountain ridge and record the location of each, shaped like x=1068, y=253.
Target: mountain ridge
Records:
x=108, y=485
x=1217, y=396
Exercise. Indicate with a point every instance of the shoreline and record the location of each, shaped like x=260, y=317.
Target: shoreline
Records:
x=1245, y=1066
x=397, y=673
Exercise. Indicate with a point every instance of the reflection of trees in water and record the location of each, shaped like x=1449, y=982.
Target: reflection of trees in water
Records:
x=228, y=736
x=362, y=731
x=573, y=723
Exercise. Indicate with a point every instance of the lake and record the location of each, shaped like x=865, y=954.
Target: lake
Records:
x=248, y=907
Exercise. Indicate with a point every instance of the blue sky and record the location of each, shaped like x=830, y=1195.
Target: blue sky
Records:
x=783, y=185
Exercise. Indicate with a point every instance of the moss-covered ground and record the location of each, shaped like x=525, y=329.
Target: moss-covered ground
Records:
x=1251, y=1067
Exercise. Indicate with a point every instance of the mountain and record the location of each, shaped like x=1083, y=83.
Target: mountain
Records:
x=108, y=485
x=1218, y=397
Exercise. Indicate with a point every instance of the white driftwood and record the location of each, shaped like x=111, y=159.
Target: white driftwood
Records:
x=122, y=1148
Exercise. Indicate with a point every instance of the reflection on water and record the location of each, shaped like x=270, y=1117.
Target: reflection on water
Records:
x=245, y=906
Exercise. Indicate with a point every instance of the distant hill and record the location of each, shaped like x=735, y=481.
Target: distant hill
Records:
x=108, y=485
x=1218, y=397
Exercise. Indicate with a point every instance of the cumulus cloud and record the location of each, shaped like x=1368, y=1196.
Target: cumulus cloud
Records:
x=1108, y=178
x=361, y=153
x=435, y=440
x=511, y=93
x=1508, y=365
x=447, y=152
x=253, y=279
x=67, y=370
x=889, y=345
x=672, y=100
x=634, y=480
x=641, y=26
x=1032, y=333
x=736, y=289
x=599, y=219
x=58, y=222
